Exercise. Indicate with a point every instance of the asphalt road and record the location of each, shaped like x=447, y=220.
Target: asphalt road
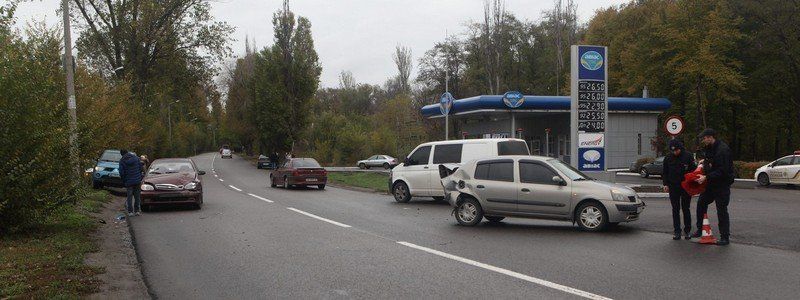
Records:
x=252, y=241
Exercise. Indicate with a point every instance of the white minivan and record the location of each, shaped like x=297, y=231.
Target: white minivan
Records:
x=418, y=175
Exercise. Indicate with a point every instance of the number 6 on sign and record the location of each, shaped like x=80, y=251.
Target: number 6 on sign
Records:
x=674, y=125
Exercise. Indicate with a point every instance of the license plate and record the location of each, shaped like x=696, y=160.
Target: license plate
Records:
x=311, y=179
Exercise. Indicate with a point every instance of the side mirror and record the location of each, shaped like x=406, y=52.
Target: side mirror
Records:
x=201, y=172
x=559, y=181
x=406, y=161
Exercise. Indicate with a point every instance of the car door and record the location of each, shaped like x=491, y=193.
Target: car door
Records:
x=281, y=172
x=373, y=161
x=494, y=184
x=449, y=155
x=780, y=169
x=794, y=171
x=417, y=172
x=538, y=192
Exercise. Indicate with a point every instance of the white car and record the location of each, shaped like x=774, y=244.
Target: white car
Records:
x=784, y=170
x=536, y=187
x=226, y=153
x=418, y=175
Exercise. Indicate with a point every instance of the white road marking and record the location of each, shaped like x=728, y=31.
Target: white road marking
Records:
x=235, y=188
x=527, y=278
x=261, y=198
x=221, y=179
x=318, y=217
x=215, y=175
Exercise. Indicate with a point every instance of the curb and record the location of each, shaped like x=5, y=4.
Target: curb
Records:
x=139, y=259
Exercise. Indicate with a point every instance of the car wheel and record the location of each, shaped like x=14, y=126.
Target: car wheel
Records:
x=591, y=216
x=401, y=192
x=272, y=181
x=763, y=179
x=321, y=186
x=386, y=166
x=362, y=166
x=469, y=212
x=494, y=219
x=643, y=173
x=285, y=182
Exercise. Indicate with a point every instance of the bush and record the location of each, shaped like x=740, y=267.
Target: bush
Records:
x=746, y=170
x=644, y=160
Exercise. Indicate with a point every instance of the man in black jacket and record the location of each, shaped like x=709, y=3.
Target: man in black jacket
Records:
x=676, y=165
x=718, y=170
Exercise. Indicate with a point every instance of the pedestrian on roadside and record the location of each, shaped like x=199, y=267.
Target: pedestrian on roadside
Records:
x=145, y=164
x=288, y=156
x=130, y=171
x=718, y=169
x=676, y=165
x=273, y=160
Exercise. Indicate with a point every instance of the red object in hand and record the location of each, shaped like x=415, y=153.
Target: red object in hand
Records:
x=690, y=184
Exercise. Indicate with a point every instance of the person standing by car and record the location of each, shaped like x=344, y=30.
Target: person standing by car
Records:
x=718, y=169
x=676, y=165
x=130, y=170
x=145, y=164
x=273, y=160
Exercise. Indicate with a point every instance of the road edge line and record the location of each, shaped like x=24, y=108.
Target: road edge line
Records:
x=235, y=188
x=507, y=272
x=318, y=217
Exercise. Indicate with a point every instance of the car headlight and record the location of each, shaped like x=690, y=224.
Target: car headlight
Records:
x=98, y=168
x=147, y=187
x=618, y=196
x=190, y=186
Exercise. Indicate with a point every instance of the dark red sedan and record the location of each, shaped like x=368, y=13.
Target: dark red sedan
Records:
x=299, y=172
x=172, y=181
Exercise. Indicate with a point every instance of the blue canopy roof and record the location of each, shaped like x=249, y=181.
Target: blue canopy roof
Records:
x=495, y=102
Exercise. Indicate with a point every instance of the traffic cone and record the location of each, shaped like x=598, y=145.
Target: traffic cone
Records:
x=708, y=236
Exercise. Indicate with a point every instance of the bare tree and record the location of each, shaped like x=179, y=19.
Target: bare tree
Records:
x=402, y=58
x=346, y=80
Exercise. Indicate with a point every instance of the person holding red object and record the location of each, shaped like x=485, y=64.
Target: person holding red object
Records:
x=676, y=165
x=718, y=174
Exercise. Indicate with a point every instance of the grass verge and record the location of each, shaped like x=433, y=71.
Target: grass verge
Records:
x=47, y=260
x=371, y=180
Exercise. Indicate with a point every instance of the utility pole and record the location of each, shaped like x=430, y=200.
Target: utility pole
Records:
x=71, y=106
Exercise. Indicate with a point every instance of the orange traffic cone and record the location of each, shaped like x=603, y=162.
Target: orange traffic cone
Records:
x=708, y=236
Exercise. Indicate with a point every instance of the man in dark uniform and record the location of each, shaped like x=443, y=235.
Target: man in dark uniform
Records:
x=676, y=165
x=718, y=170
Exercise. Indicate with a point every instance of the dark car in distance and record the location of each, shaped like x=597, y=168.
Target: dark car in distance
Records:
x=106, y=171
x=172, y=181
x=299, y=172
x=653, y=168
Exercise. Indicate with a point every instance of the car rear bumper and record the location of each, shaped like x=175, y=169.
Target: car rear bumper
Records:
x=308, y=180
x=171, y=197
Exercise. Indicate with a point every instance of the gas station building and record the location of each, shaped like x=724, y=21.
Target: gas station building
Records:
x=544, y=123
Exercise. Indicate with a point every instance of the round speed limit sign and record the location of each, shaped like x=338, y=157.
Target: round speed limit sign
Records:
x=674, y=125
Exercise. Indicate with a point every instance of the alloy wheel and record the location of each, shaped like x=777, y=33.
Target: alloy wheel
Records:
x=591, y=217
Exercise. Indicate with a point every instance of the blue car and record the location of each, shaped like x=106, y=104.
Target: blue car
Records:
x=106, y=172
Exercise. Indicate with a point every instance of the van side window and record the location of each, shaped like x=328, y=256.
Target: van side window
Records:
x=512, y=148
x=444, y=154
x=420, y=157
x=530, y=172
x=497, y=171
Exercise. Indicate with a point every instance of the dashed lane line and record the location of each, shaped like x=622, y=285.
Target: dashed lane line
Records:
x=235, y=188
x=507, y=272
x=261, y=198
x=318, y=217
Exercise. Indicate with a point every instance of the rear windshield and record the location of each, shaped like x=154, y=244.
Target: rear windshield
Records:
x=171, y=167
x=512, y=148
x=305, y=163
x=113, y=156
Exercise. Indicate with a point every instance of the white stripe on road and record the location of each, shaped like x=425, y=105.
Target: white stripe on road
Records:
x=235, y=188
x=527, y=278
x=318, y=217
x=260, y=198
x=221, y=179
x=215, y=175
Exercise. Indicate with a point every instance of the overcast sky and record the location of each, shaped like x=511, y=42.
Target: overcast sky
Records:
x=354, y=35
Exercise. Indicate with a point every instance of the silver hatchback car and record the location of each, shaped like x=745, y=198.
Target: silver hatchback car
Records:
x=536, y=187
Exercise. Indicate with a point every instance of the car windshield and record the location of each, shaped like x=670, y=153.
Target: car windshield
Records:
x=568, y=170
x=305, y=163
x=112, y=156
x=170, y=167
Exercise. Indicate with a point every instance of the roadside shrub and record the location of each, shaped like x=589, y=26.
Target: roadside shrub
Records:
x=746, y=170
x=644, y=160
